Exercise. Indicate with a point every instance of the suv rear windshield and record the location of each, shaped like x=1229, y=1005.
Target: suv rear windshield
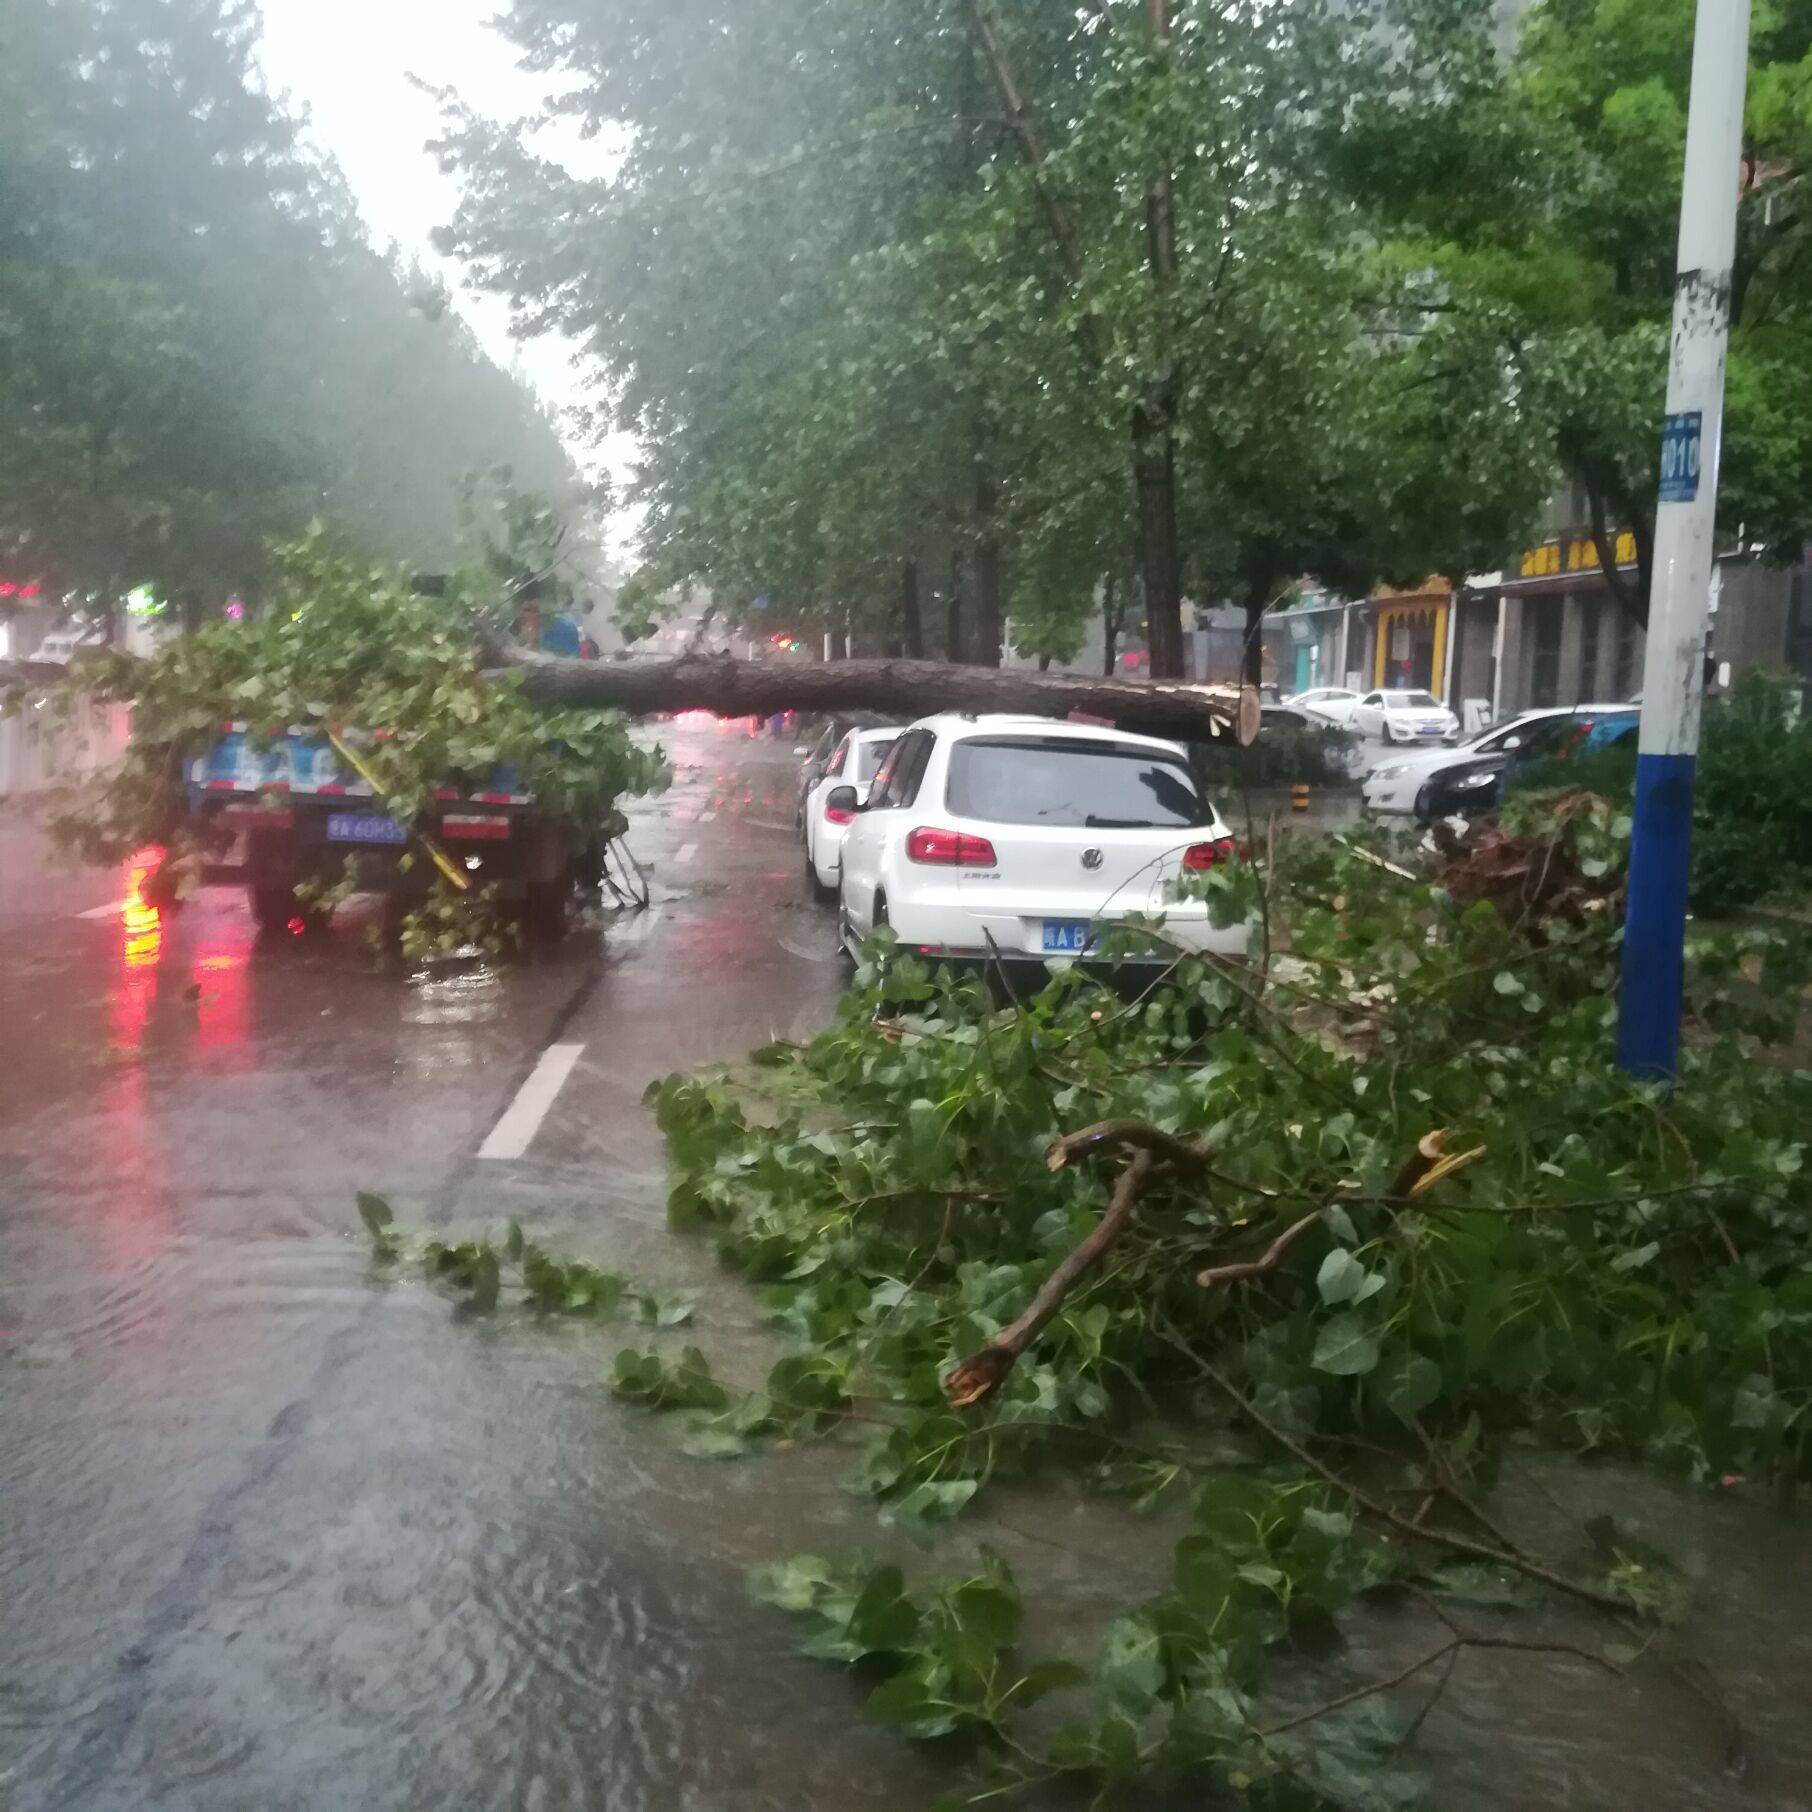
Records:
x=1071, y=784
x=869, y=756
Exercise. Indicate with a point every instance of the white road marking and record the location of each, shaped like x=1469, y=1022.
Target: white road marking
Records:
x=515, y=1132
x=686, y=852
x=105, y=912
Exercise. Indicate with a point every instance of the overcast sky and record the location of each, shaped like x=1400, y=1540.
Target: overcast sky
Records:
x=348, y=64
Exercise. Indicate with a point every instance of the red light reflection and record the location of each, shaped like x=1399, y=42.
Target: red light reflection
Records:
x=223, y=1010
x=143, y=922
x=141, y=951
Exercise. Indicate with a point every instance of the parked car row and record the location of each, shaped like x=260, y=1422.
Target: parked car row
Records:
x=1402, y=714
x=1468, y=779
x=1014, y=840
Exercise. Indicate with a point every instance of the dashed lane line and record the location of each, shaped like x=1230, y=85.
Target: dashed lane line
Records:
x=515, y=1132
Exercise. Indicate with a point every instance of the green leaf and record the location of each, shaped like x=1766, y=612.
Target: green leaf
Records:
x=1342, y=1278
x=792, y=1585
x=485, y=1281
x=375, y=1212
x=1407, y=1383
x=664, y=1311
x=1345, y=1347
x=936, y=1500
x=1045, y=1677
x=1131, y=1669
x=907, y=1701
x=884, y=1619
x=714, y=1440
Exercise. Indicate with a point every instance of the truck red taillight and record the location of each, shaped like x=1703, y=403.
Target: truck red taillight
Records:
x=1198, y=858
x=950, y=849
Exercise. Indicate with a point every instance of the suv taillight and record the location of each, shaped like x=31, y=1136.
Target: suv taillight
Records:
x=1198, y=858
x=950, y=849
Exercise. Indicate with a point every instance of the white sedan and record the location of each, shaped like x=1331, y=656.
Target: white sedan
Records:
x=852, y=766
x=1413, y=717
x=1027, y=837
x=1332, y=704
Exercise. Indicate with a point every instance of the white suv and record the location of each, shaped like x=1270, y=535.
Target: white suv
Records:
x=1027, y=836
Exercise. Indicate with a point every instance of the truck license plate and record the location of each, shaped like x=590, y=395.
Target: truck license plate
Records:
x=364, y=827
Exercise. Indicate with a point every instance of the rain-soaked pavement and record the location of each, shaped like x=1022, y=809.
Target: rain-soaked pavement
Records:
x=275, y=1533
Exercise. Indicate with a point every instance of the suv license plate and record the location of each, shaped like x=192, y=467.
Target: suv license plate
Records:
x=1065, y=937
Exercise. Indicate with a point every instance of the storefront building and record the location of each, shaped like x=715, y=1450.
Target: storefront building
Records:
x=1409, y=638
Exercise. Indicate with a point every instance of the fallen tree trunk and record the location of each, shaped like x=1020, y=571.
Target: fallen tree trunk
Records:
x=27, y=676
x=903, y=689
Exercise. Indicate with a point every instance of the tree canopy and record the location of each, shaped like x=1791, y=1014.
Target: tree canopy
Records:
x=1063, y=296
x=199, y=347
x=1539, y=194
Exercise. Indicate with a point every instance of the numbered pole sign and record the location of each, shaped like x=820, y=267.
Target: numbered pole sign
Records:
x=1682, y=444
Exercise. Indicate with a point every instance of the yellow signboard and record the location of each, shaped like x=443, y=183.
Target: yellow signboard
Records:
x=1573, y=554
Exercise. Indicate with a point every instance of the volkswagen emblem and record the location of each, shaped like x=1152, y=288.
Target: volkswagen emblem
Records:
x=1092, y=859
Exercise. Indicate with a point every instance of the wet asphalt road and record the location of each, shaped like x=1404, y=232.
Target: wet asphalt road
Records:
x=278, y=1533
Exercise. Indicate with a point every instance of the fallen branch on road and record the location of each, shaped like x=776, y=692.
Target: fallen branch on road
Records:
x=902, y=688
x=983, y=1373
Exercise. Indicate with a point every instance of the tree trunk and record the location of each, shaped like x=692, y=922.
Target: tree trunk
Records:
x=1154, y=428
x=990, y=622
x=1252, y=666
x=1632, y=600
x=1155, y=474
x=29, y=675
x=953, y=619
x=903, y=689
x=912, y=623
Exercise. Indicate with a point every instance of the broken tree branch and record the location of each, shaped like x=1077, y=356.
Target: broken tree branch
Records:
x=1452, y=1648
x=902, y=688
x=1428, y=1164
x=1139, y=1134
x=1269, y=1260
x=981, y=1375
x=1514, y=1558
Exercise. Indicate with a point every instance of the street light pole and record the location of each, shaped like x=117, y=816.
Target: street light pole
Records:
x=1673, y=674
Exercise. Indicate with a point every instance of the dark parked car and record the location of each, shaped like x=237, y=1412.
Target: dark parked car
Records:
x=1470, y=789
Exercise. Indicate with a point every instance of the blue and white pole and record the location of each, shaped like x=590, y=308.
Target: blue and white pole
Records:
x=1648, y=1033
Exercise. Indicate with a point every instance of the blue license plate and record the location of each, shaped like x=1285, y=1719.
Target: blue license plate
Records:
x=364, y=827
x=1065, y=937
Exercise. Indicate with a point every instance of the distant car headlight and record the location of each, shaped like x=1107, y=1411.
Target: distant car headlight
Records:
x=1473, y=780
